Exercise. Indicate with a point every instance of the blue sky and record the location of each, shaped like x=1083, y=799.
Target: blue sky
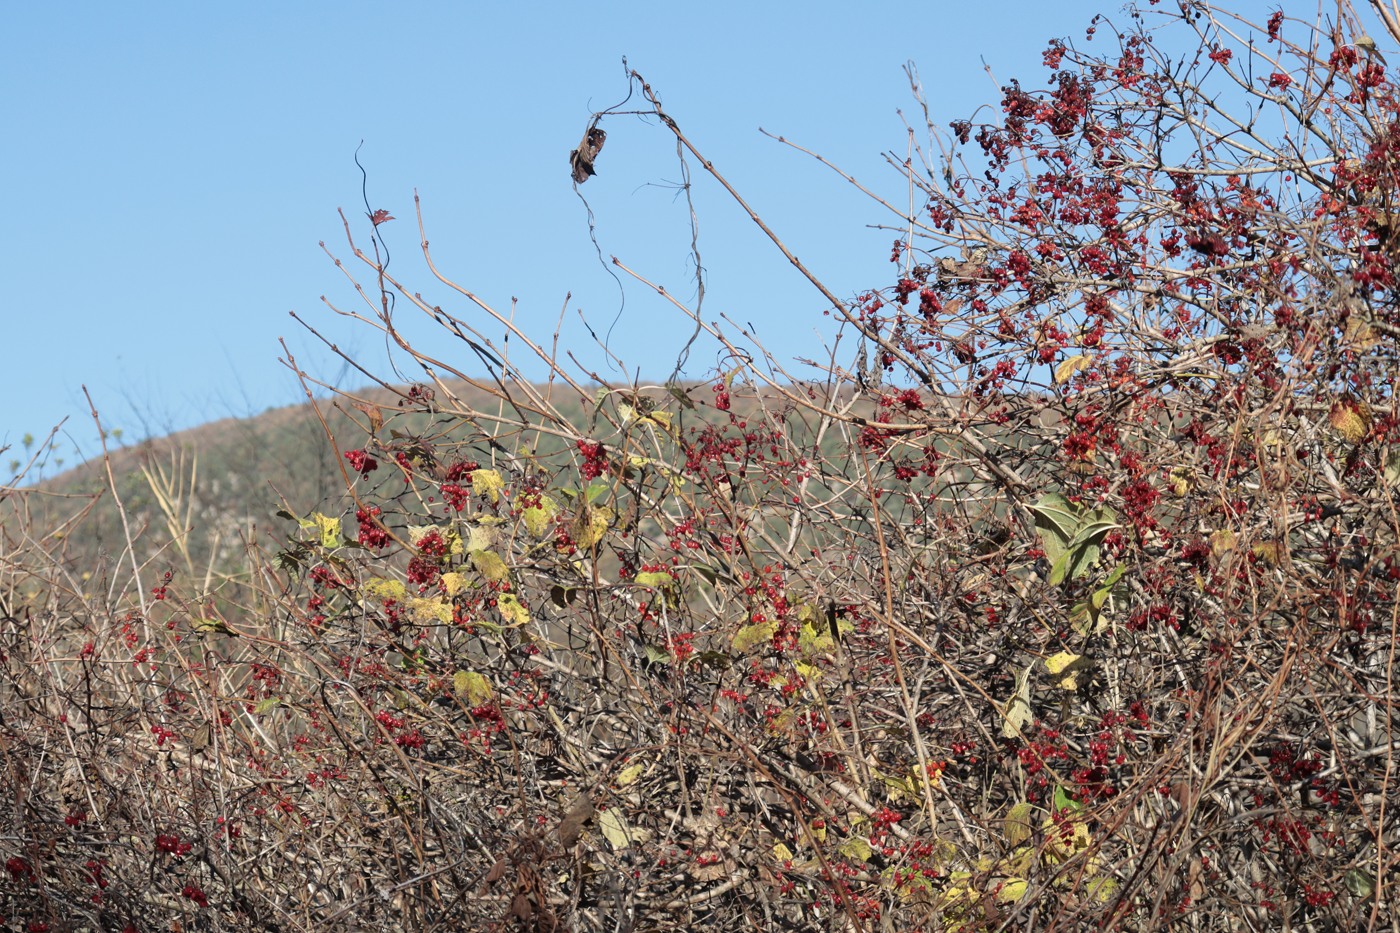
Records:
x=170, y=168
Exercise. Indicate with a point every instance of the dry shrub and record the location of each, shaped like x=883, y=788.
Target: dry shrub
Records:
x=1069, y=605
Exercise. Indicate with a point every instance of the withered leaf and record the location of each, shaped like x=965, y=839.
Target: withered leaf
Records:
x=375, y=413
x=497, y=872
x=581, y=159
x=571, y=826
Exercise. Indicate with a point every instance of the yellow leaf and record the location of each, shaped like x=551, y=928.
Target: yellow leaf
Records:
x=813, y=639
x=1013, y=889
x=490, y=566
x=662, y=418
x=487, y=483
x=424, y=611
x=1181, y=480
x=1066, y=668
x=782, y=853
x=1361, y=334
x=327, y=529
x=1067, y=368
x=653, y=579
x=202, y=624
x=416, y=533
x=899, y=786
x=1351, y=419
x=512, y=609
x=539, y=518
x=1270, y=552
x=1392, y=468
x=481, y=537
x=379, y=588
x=1102, y=889
x=614, y=828
x=628, y=775
x=782, y=722
x=1017, y=824
x=473, y=686
x=1017, y=710
x=857, y=848
x=1064, y=839
x=750, y=635
x=931, y=778
x=1222, y=542
x=454, y=583
x=589, y=525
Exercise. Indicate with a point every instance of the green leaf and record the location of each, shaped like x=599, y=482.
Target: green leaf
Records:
x=1360, y=883
x=1063, y=801
x=266, y=705
x=1070, y=535
x=1106, y=587
x=1056, y=520
x=1082, y=551
x=1086, y=614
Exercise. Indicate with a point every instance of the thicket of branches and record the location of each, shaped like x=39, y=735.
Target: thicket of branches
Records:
x=1068, y=603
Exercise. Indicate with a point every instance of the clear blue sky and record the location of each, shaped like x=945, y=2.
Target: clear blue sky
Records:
x=169, y=169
